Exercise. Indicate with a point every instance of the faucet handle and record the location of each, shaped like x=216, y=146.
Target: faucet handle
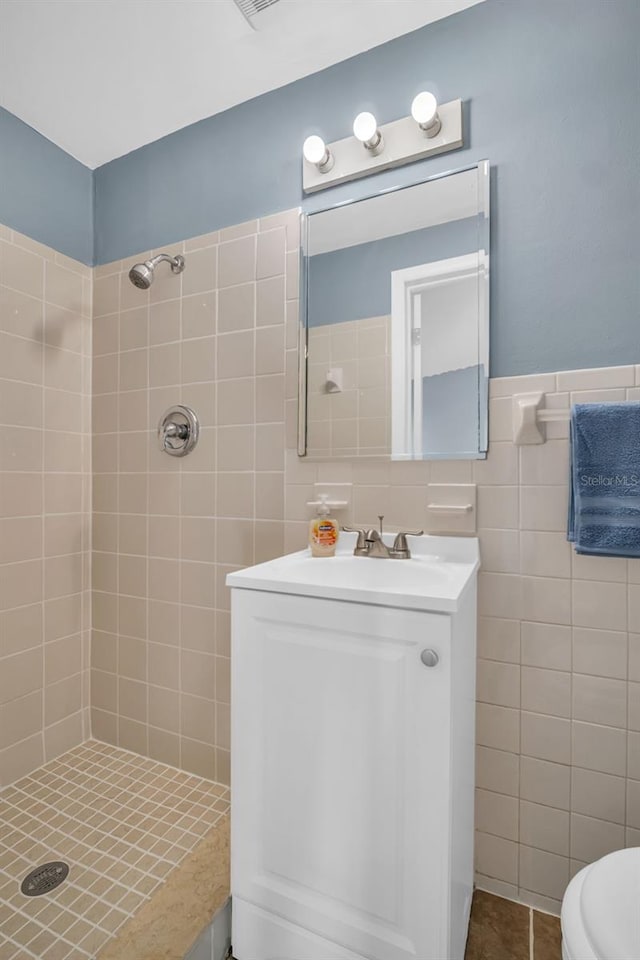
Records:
x=362, y=536
x=400, y=546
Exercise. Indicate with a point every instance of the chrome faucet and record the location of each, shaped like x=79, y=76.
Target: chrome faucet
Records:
x=371, y=544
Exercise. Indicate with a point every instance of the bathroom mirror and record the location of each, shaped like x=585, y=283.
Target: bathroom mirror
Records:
x=395, y=301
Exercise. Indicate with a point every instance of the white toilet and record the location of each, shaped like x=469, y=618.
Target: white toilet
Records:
x=601, y=910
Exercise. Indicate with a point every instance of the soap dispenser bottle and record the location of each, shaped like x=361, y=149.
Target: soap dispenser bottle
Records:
x=323, y=531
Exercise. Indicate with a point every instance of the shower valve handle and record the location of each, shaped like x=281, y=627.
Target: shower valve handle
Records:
x=178, y=431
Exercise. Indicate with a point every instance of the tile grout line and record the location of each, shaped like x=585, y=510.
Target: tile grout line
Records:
x=43, y=520
x=125, y=806
x=136, y=848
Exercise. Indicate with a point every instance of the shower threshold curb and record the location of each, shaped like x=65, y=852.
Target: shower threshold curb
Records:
x=168, y=925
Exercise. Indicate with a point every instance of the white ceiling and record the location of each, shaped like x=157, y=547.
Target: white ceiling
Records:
x=103, y=77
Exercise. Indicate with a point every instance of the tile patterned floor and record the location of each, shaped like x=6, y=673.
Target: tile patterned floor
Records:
x=503, y=930
x=122, y=822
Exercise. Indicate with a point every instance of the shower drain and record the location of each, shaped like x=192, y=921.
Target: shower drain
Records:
x=44, y=878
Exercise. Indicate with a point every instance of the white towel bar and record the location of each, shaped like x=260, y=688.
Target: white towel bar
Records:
x=527, y=418
x=549, y=416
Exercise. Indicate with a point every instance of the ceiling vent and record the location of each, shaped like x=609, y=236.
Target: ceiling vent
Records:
x=251, y=8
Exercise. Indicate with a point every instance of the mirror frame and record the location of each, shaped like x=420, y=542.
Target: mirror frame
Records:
x=484, y=174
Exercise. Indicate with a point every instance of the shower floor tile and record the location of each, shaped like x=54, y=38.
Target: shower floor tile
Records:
x=122, y=822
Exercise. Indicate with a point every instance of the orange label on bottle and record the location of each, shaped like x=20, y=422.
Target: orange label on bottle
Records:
x=325, y=533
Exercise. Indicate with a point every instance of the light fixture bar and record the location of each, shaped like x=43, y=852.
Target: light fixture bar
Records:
x=404, y=142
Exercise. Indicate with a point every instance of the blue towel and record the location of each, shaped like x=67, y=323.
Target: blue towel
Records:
x=604, y=500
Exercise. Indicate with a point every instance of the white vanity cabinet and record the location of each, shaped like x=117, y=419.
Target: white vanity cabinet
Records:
x=353, y=755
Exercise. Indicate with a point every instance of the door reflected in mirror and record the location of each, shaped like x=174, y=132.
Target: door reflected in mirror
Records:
x=396, y=306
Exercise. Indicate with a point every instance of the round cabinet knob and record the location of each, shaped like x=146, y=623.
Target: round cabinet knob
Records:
x=430, y=658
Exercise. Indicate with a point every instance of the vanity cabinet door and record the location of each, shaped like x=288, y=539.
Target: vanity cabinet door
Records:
x=341, y=772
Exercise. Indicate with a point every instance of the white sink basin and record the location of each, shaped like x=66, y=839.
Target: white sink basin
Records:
x=435, y=578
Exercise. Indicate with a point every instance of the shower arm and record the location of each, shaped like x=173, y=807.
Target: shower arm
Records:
x=177, y=262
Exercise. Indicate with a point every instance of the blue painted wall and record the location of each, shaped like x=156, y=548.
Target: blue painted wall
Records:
x=355, y=282
x=44, y=192
x=551, y=91
x=451, y=413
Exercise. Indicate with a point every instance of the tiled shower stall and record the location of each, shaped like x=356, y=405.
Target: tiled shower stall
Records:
x=166, y=530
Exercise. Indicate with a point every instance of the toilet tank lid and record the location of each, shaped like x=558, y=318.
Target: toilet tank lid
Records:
x=610, y=905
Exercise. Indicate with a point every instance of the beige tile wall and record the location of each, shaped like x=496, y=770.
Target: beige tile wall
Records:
x=559, y=667
x=559, y=639
x=45, y=347
x=558, y=690
x=357, y=420
x=168, y=530
x=558, y=670
x=559, y=648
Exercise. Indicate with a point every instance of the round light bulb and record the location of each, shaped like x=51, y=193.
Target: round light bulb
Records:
x=365, y=127
x=424, y=107
x=424, y=111
x=314, y=149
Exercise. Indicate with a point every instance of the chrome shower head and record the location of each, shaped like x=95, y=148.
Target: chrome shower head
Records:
x=141, y=274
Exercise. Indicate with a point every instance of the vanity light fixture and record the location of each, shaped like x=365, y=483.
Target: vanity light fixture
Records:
x=365, y=129
x=424, y=110
x=429, y=129
x=315, y=151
